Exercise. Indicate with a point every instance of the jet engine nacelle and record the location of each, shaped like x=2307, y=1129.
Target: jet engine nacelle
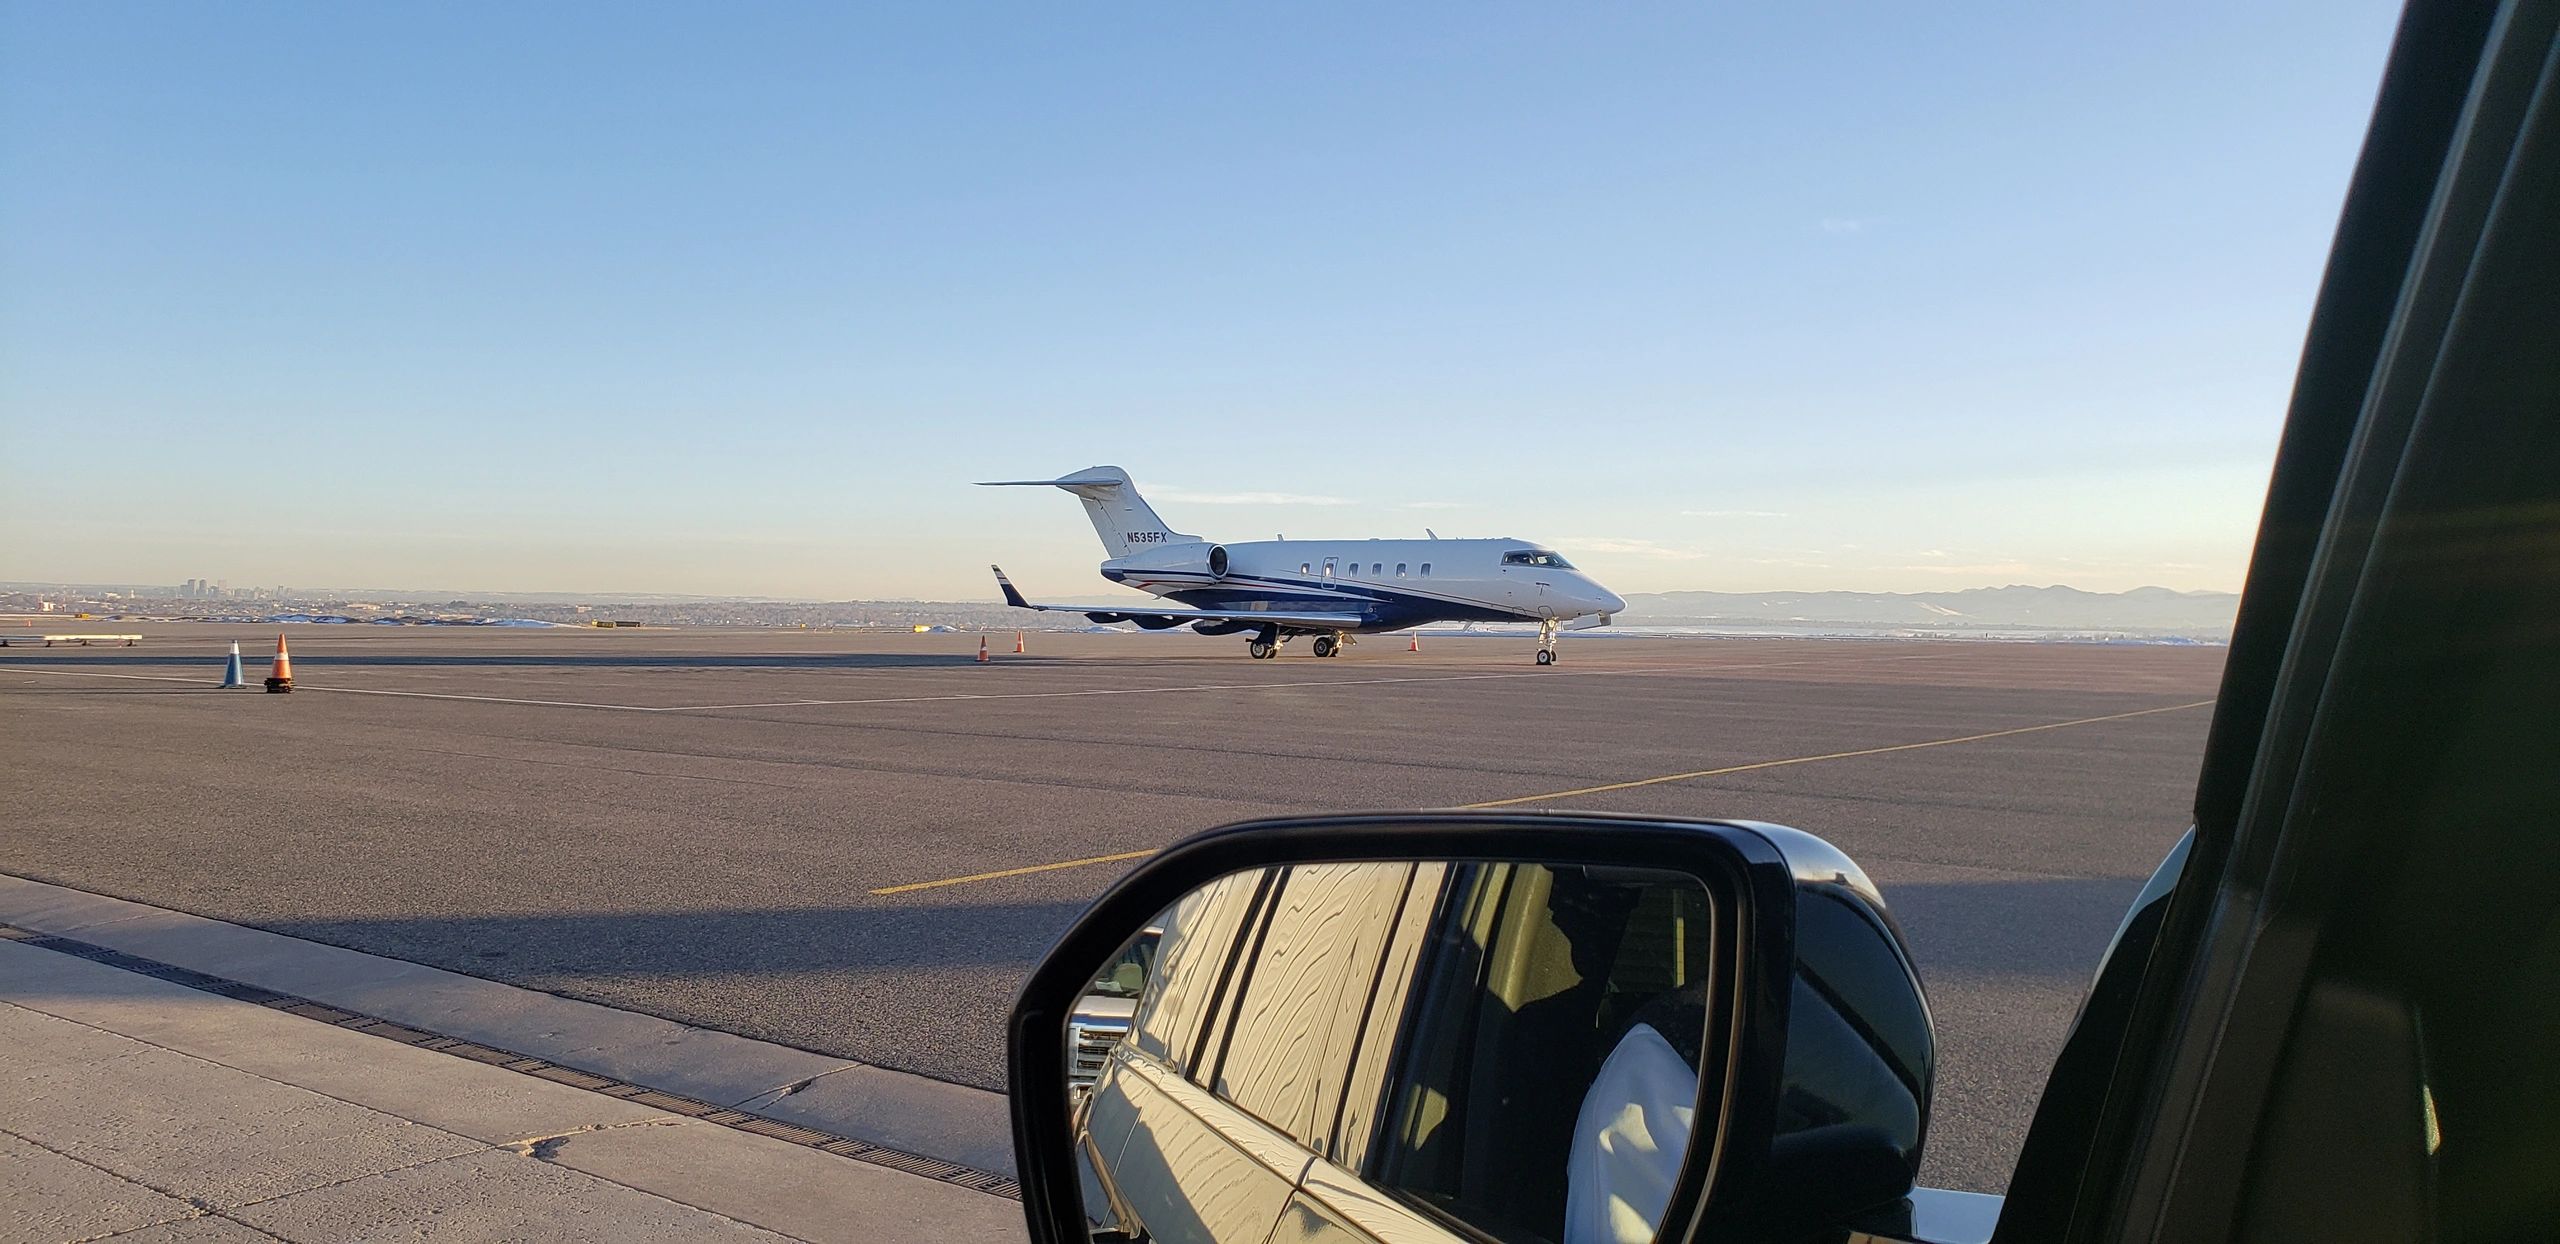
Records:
x=1192, y=557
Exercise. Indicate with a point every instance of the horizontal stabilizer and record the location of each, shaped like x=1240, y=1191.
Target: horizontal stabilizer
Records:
x=1120, y=516
x=1090, y=477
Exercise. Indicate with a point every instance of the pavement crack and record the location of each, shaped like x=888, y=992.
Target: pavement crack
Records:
x=547, y=1148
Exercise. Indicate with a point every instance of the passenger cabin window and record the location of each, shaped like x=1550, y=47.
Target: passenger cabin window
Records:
x=1399, y=570
x=1535, y=557
x=1426, y=570
x=1377, y=568
x=1306, y=568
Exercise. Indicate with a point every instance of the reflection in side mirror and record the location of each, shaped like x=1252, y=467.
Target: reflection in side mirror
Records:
x=1102, y=1015
x=1396, y=1030
x=1511, y=1046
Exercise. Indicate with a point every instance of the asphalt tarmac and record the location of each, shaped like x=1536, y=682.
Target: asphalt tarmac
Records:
x=699, y=824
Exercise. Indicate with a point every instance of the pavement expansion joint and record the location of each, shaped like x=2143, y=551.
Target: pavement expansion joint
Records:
x=772, y=1095
x=540, y=1147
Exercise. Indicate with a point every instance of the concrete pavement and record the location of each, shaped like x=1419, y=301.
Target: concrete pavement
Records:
x=137, y=1109
x=713, y=827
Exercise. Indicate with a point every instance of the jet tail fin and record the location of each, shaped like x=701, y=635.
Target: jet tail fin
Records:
x=1121, y=517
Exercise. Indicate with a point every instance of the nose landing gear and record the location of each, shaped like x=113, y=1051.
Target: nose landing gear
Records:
x=1547, y=642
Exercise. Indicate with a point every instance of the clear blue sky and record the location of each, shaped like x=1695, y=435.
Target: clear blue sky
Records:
x=737, y=299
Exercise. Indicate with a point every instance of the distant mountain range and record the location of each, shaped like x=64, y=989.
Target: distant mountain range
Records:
x=2144, y=611
x=2014, y=612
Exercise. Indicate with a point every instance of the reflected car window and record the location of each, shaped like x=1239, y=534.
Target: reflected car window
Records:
x=1535, y=976
x=1299, y=991
x=1191, y=962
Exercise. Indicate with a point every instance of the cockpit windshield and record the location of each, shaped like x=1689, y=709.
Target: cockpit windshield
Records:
x=1535, y=557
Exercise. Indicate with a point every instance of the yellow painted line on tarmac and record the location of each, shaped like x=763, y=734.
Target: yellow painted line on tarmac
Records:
x=1806, y=760
x=1692, y=775
x=204, y=680
x=210, y=683
x=913, y=886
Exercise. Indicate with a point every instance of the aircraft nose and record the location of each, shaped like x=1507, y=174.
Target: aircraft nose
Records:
x=1609, y=602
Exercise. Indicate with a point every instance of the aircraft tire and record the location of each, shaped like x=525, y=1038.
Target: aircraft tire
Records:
x=1545, y=657
x=1327, y=645
x=1259, y=650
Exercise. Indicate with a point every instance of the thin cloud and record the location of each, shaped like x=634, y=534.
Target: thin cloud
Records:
x=1983, y=568
x=1844, y=224
x=1433, y=505
x=1615, y=546
x=1735, y=514
x=1189, y=497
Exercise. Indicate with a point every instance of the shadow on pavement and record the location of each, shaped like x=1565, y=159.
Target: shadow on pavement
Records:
x=710, y=943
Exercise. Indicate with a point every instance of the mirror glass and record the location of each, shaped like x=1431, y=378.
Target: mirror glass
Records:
x=1407, y=1051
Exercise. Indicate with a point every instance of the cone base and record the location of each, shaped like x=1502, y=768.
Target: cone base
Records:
x=279, y=685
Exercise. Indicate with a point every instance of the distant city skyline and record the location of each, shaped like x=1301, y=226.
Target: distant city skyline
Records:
x=736, y=303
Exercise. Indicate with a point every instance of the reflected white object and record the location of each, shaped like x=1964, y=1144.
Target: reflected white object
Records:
x=1628, y=1142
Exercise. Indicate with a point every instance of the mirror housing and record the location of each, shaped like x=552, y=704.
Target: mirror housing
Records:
x=1813, y=1097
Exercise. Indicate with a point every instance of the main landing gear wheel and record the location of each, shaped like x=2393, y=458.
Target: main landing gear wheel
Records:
x=1326, y=645
x=1546, y=656
x=1261, y=649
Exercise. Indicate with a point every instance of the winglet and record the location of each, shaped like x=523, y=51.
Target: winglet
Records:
x=1012, y=594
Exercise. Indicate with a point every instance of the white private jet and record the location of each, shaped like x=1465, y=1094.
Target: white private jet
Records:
x=1273, y=590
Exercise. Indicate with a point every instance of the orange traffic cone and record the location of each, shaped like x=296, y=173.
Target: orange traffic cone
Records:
x=982, y=650
x=281, y=677
x=1017, y=643
x=1416, y=645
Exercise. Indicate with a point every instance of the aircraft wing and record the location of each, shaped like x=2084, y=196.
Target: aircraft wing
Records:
x=1125, y=612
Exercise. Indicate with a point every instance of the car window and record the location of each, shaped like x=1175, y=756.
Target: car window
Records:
x=1126, y=976
x=1192, y=958
x=1533, y=976
x=1298, y=992
x=1376, y=1049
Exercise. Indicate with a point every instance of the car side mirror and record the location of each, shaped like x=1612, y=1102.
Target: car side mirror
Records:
x=1459, y=1026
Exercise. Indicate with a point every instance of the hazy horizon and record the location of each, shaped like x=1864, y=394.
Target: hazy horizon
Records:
x=737, y=303
x=242, y=591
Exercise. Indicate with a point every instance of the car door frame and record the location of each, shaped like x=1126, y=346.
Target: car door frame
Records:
x=2152, y=1123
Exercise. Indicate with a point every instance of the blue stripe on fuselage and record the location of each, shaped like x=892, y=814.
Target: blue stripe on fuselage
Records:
x=1379, y=608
